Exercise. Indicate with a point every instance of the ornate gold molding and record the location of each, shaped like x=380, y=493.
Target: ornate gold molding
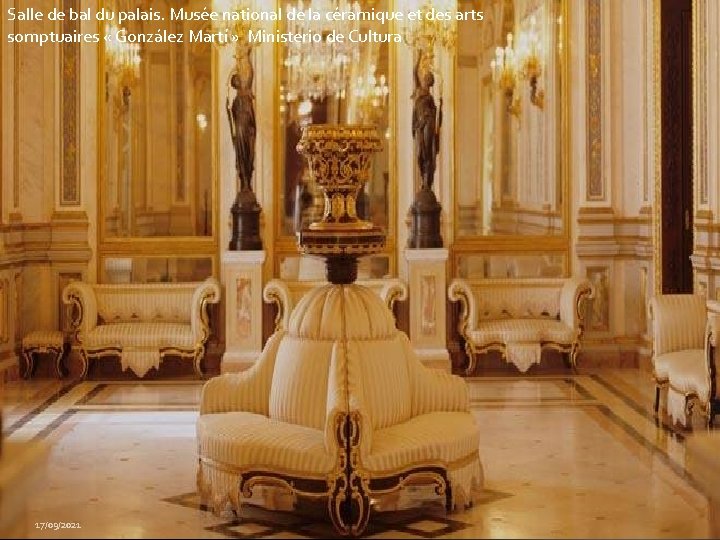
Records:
x=595, y=187
x=70, y=112
x=657, y=110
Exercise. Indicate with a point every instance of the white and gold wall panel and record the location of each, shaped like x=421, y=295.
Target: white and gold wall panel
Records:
x=706, y=162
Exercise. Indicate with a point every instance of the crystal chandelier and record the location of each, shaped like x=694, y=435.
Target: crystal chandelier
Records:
x=320, y=69
x=123, y=58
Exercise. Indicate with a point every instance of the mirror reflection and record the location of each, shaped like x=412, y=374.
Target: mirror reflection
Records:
x=511, y=265
x=155, y=269
x=341, y=83
x=510, y=84
x=157, y=164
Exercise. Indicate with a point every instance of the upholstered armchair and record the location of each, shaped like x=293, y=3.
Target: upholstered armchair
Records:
x=337, y=408
x=681, y=359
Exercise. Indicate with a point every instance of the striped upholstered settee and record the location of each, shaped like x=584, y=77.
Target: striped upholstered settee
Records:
x=521, y=317
x=142, y=323
x=337, y=409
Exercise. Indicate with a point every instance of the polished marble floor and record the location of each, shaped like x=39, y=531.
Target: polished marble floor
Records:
x=569, y=456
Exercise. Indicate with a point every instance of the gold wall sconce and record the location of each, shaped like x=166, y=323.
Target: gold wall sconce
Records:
x=511, y=65
x=530, y=51
x=505, y=75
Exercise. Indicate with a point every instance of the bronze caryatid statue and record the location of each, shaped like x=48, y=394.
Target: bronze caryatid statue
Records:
x=426, y=123
x=243, y=130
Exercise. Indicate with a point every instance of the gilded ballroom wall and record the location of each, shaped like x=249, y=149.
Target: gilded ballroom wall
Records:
x=591, y=207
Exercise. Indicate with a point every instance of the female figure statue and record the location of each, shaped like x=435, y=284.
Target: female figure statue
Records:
x=241, y=116
x=426, y=123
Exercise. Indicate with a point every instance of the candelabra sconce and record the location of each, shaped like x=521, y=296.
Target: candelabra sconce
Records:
x=531, y=70
x=511, y=66
x=123, y=61
x=505, y=74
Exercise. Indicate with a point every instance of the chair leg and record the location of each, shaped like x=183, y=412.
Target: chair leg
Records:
x=197, y=364
x=711, y=412
x=656, y=407
x=85, y=361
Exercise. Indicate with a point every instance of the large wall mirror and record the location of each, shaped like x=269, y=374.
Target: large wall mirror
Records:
x=511, y=175
x=156, y=166
x=344, y=83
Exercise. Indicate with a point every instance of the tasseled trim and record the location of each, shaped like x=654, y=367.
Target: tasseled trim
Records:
x=676, y=406
x=220, y=491
x=466, y=483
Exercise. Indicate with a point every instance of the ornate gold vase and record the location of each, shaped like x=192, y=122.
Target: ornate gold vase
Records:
x=340, y=162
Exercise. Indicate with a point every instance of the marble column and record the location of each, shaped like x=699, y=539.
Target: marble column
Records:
x=427, y=276
x=242, y=277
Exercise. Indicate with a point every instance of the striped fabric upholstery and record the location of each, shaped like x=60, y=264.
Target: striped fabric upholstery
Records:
x=321, y=314
x=520, y=317
x=140, y=334
x=140, y=320
x=527, y=299
x=522, y=330
x=43, y=338
x=385, y=380
x=433, y=389
x=167, y=302
x=299, y=385
x=247, y=391
x=664, y=363
x=679, y=325
x=340, y=357
x=440, y=437
x=243, y=440
x=678, y=322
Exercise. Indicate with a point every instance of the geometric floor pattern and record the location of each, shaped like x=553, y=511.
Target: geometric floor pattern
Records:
x=576, y=455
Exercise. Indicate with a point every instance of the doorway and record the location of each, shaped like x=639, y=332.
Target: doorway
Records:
x=677, y=133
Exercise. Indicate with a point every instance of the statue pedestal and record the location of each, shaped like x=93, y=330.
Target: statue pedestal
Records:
x=427, y=278
x=425, y=221
x=242, y=278
x=245, y=222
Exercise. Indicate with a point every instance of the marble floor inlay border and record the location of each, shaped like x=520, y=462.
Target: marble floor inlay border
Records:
x=608, y=450
x=651, y=446
x=29, y=416
x=635, y=406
